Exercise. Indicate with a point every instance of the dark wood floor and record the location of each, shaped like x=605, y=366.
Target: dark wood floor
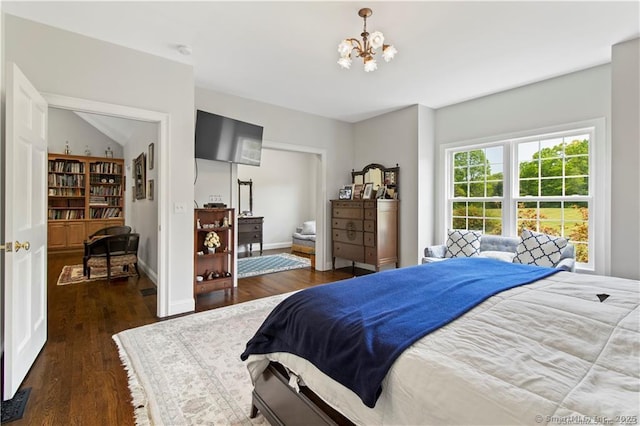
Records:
x=77, y=379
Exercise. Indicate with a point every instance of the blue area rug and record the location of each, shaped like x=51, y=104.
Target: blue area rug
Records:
x=260, y=265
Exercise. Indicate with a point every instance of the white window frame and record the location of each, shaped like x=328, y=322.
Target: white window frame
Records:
x=599, y=179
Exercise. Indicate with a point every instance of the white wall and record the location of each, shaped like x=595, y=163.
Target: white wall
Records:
x=142, y=215
x=625, y=155
x=64, y=63
x=67, y=126
x=284, y=189
x=575, y=97
x=282, y=126
x=391, y=139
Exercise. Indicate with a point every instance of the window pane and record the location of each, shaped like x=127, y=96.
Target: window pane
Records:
x=582, y=252
x=477, y=173
x=476, y=209
x=574, y=166
x=460, y=159
x=531, y=225
x=460, y=174
x=476, y=190
x=493, y=209
x=475, y=224
x=494, y=154
x=459, y=223
x=529, y=187
x=551, y=187
x=577, y=145
x=577, y=210
x=493, y=227
x=551, y=148
x=460, y=190
x=577, y=231
x=550, y=168
x=577, y=186
x=459, y=209
x=494, y=188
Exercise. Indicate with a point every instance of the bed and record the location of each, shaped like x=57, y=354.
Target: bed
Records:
x=303, y=241
x=561, y=348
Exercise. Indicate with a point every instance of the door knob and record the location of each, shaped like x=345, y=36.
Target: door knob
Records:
x=24, y=245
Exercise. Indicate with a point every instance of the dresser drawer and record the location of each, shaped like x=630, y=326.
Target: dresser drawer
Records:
x=348, y=204
x=370, y=214
x=346, y=213
x=351, y=237
x=249, y=237
x=348, y=224
x=249, y=227
x=369, y=226
x=370, y=255
x=369, y=239
x=348, y=251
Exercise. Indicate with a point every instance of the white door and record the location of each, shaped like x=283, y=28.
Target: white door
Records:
x=25, y=277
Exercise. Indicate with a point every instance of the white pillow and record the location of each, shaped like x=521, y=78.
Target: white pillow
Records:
x=499, y=255
x=463, y=243
x=539, y=249
x=309, y=228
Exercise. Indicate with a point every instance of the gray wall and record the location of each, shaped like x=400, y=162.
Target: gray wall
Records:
x=64, y=63
x=67, y=126
x=575, y=97
x=281, y=126
x=142, y=215
x=391, y=139
x=625, y=155
x=284, y=189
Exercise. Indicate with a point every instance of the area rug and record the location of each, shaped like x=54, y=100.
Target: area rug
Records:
x=260, y=265
x=72, y=274
x=187, y=371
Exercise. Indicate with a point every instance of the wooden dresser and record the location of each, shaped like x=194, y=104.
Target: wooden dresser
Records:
x=250, y=231
x=365, y=231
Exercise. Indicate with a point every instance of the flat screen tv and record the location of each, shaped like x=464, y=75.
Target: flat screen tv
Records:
x=225, y=139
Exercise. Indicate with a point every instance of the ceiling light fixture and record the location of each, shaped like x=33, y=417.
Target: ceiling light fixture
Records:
x=366, y=49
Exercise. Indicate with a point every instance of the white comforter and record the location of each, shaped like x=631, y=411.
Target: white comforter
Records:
x=545, y=353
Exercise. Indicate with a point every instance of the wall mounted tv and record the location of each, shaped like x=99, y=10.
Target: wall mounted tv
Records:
x=225, y=139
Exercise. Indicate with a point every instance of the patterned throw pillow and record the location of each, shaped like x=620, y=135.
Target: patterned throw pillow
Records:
x=539, y=249
x=462, y=243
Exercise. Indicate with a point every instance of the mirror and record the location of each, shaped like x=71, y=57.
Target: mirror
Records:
x=245, y=192
x=383, y=179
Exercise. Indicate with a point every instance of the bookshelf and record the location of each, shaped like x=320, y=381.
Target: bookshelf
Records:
x=84, y=195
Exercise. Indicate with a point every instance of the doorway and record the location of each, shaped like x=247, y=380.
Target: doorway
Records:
x=160, y=163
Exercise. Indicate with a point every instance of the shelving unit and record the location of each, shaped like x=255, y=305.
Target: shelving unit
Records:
x=216, y=269
x=85, y=194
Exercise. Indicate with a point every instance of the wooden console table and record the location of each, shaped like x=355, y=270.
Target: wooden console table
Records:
x=250, y=231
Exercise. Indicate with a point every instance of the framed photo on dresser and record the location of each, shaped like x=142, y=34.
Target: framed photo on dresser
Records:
x=368, y=190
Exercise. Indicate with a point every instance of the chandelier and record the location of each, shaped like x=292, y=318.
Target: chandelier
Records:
x=366, y=48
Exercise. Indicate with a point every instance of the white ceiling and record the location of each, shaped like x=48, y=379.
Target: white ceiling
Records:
x=285, y=53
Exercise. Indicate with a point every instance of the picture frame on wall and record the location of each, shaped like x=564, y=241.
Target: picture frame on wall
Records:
x=140, y=176
x=151, y=155
x=150, y=190
x=368, y=190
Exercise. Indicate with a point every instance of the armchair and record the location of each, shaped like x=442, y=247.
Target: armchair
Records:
x=110, y=251
x=111, y=230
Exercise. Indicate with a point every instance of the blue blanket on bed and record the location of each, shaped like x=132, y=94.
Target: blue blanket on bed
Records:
x=353, y=330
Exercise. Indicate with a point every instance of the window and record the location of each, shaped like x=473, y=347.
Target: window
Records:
x=543, y=183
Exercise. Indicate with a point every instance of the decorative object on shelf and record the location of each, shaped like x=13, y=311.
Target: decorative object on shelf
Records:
x=225, y=222
x=366, y=49
x=345, y=193
x=87, y=151
x=212, y=241
x=199, y=278
x=151, y=155
x=199, y=224
x=66, y=148
x=108, y=153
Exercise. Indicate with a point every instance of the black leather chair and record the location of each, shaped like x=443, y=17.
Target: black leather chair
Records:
x=111, y=230
x=111, y=251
